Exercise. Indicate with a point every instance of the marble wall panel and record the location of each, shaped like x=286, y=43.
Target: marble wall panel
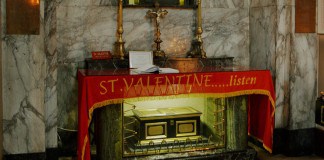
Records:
x=177, y=31
x=264, y=3
x=76, y=3
x=263, y=39
x=226, y=4
x=283, y=52
x=81, y=30
x=303, y=78
x=291, y=57
x=23, y=89
x=226, y=33
x=105, y=2
x=285, y=2
x=67, y=96
x=303, y=81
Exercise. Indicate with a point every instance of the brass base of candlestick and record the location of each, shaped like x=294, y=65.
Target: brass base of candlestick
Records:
x=158, y=54
x=197, y=50
x=120, y=50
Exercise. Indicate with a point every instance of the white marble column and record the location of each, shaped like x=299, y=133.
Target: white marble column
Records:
x=50, y=101
x=23, y=90
x=291, y=57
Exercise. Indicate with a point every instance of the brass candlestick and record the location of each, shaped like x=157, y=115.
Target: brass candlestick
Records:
x=119, y=44
x=157, y=13
x=197, y=46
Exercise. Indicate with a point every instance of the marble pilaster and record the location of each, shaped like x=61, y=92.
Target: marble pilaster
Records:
x=51, y=74
x=303, y=81
x=23, y=90
x=282, y=66
x=291, y=57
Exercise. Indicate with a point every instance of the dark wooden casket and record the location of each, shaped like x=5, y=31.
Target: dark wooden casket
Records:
x=161, y=123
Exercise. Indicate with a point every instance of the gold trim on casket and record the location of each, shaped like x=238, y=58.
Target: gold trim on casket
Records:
x=160, y=123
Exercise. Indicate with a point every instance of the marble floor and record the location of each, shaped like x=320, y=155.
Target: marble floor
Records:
x=263, y=155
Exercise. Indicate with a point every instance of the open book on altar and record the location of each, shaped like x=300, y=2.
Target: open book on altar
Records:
x=149, y=68
x=141, y=62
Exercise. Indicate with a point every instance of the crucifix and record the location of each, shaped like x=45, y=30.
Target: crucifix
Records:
x=157, y=14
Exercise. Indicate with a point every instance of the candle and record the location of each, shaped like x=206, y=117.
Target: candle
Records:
x=181, y=2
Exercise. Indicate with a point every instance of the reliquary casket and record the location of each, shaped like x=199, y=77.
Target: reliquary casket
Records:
x=161, y=123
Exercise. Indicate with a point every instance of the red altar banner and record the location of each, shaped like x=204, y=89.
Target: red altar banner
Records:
x=101, y=88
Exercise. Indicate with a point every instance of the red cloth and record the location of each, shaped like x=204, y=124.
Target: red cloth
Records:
x=101, y=88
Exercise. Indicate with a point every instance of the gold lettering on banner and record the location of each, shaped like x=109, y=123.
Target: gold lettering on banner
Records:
x=112, y=86
x=207, y=80
x=158, y=81
x=171, y=84
x=197, y=80
x=139, y=86
x=188, y=85
x=103, y=87
x=241, y=81
x=128, y=85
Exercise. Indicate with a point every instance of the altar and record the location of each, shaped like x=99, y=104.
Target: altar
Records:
x=114, y=88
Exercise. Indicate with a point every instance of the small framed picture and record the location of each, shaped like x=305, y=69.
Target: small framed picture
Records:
x=140, y=58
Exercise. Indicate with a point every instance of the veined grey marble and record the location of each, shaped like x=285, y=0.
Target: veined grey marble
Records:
x=40, y=84
x=225, y=4
x=81, y=30
x=283, y=52
x=106, y=2
x=264, y=3
x=303, y=80
x=285, y=2
x=67, y=96
x=292, y=58
x=262, y=32
x=177, y=31
x=51, y=108
x=23, y=91
x=226, y=33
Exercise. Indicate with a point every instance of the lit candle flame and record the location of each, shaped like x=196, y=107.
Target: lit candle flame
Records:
x=33, y=2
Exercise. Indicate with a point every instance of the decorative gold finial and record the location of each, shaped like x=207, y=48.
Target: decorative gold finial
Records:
x=157, y=13
x=119, y=44
x=197, y=46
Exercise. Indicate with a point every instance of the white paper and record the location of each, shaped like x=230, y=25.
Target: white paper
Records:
x=168, y=70
x=139, y=59
x=146, y=69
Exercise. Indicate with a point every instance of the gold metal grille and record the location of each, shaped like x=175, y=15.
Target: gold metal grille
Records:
x=212, y=135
